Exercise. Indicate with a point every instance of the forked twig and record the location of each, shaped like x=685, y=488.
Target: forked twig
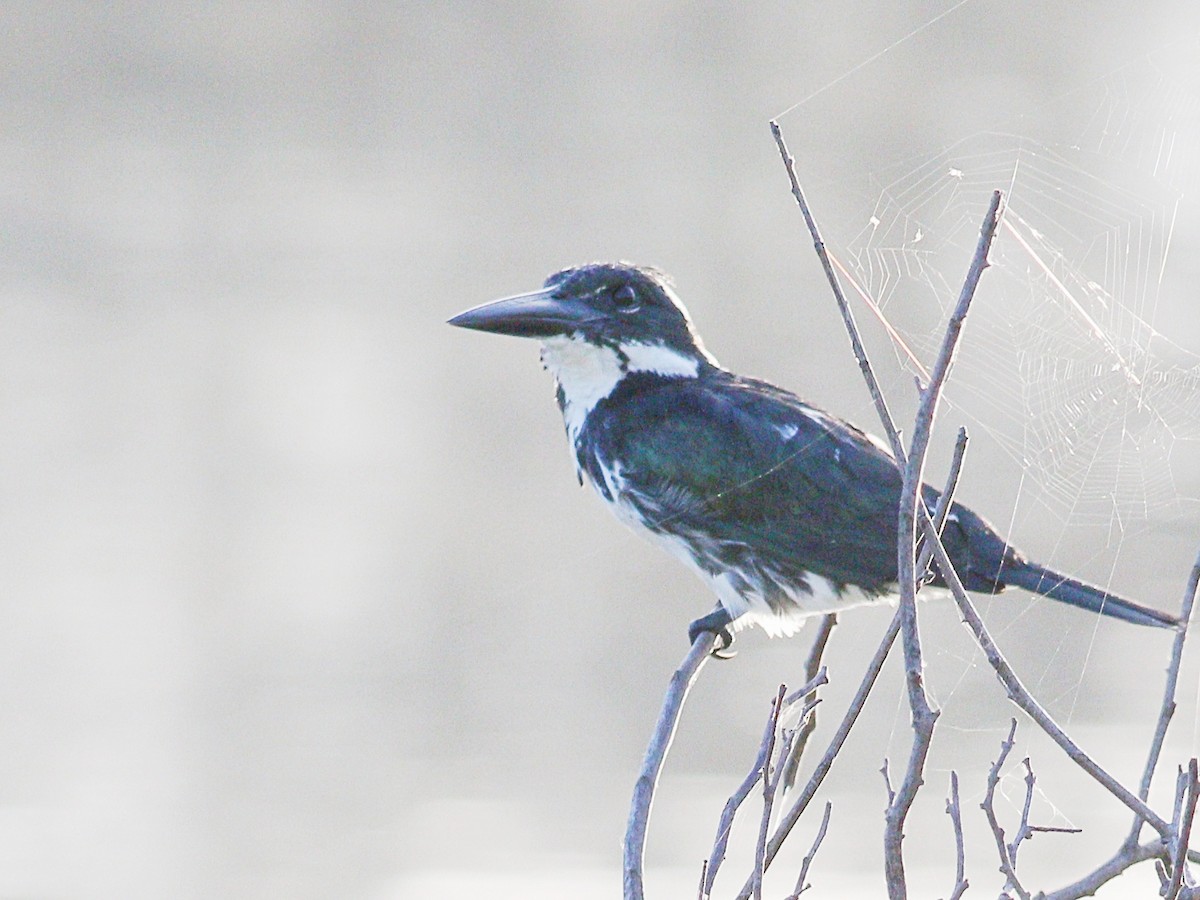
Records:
x=1019, y=694
x=800, y=804
x=758, y=771
x=912, y=467
x=801, y=887
x=1167, y=710
x=792, y=816
x=812, y=665
x=1179, y=854
x=1004, y=850
x=923, y=717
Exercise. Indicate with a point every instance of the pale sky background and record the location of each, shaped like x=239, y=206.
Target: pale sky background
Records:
x=300, y=598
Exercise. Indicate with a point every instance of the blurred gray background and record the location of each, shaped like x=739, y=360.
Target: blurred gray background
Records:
x=300, y=597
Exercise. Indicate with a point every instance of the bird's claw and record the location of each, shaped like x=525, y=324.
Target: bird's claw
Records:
x=717, y=623
x=724, y=642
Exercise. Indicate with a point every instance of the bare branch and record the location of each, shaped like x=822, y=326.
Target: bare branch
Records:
x=1003, y=850
x=954, y=811
x=801, y=887
x=1023, y=829
x=792, y=816
x=764, y=825
x=860, y=353
x=735, y=801
x=656, y=754
x=1168, y=703
x=811, y=667
x=923, y=717
x=1179, y=856
x=1018, y=694
x=1107, y=871
x=860, y=698
x=758, y=771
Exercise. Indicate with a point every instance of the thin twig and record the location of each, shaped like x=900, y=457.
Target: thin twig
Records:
x=734, y=803
x=923, y=717
x=1023, y=829
x=945, y=499
x=656, y=754
x=1167, y=709
x=1003, y=850
x=789, y=820
x=764, y=825
x=757, y=771
x=1019, y=694
x=860, y=353
x=1178, y=858
x=954, y=811
x=811, y=666
x=792, y=816
x=801, y=887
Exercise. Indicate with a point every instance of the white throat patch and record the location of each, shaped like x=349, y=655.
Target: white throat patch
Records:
x=586, y=373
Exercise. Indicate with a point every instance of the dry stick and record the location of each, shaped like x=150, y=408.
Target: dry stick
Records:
x=1102, y=874
x=860, y=352
x=811, y=667
x=954, y=811
x=1131, y=852
x=734, y=803
x=923, y=717
x=1019, y=694
x=1016, y=691
x=760, y=845
x=656, y=753
x=792, y=816
x=1168, y=703
x=1003, y=850
x=1183, y=835
x=761, y=762
x=1024, y=829
x=801, y=887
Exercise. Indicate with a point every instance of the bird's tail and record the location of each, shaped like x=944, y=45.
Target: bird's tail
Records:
x=1059, y=587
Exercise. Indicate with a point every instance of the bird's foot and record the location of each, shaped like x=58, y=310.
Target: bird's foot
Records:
x=716, y=622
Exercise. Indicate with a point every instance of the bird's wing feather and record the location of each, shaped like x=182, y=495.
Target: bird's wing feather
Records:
x=743, y=462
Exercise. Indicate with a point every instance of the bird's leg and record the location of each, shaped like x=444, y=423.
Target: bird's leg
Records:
x=717, y=622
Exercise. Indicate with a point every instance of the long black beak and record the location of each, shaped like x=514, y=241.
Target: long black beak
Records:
x=538, y=314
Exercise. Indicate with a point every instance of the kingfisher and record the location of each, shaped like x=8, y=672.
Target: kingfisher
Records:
x=784, y=510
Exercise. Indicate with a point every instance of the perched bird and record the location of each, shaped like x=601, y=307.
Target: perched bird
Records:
x=784, y=510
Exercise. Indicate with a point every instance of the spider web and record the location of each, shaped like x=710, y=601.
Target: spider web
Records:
x=1062, y=362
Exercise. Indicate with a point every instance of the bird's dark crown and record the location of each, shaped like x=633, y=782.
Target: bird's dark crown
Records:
x=624, y=303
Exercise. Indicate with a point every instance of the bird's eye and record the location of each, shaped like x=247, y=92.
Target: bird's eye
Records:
x=625, y=298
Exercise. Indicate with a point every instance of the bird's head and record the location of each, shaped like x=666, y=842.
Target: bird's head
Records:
x=607, y=305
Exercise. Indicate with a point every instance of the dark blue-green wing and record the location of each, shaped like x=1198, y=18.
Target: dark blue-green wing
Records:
x=744, y=463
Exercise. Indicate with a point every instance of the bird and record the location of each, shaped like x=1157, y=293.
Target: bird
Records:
x=785, y=511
